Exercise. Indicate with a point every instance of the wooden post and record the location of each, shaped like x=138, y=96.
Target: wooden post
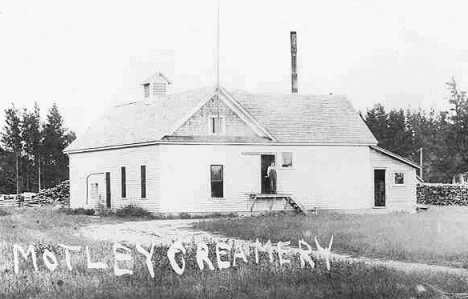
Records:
x=17, y=176
x=38, y=173
x=421, y=161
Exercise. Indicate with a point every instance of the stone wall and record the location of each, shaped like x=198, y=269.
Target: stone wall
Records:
x=442, y=194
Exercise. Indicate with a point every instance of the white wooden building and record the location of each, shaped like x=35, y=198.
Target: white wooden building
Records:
x=206, y=151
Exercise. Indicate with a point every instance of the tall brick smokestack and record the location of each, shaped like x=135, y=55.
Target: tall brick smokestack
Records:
x=293, y=62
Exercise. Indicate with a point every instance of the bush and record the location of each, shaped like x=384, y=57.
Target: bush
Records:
x=79, y=211
x=4, y=213
x=133, y=211
x=185, y=215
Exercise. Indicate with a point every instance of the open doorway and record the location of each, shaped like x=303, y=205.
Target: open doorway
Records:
x=95, y=193
x=379, y=187
x=265, y=162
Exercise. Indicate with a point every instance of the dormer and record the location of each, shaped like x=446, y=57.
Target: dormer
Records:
x=155, y=85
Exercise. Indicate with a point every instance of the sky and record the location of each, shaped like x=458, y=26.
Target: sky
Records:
x=87, y=56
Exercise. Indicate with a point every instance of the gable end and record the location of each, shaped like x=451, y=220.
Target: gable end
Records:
x=199, y=124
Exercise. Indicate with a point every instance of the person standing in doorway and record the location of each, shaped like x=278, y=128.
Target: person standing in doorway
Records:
x=271, y=173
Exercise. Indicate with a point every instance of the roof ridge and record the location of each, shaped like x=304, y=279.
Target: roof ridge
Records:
x=298, y=95
x=162, y=97
x=288, y=118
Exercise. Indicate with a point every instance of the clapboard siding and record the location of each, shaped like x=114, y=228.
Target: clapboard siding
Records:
x=96, y=164
x=178, y=177
x=322, y=176
x=398, y=197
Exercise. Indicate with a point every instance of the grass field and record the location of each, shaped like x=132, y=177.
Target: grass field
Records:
x=45, y=229
x=437, y=236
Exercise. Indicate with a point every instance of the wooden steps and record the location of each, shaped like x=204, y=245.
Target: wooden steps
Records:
x=297, y=206
x=289, y=200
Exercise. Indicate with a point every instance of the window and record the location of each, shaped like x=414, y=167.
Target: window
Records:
x=217, y=181
x=143, y=181
x=216, y=125
x=286, y=161
x=399, y=178
x=123, y=176
x=147, y=90
x=108, y=190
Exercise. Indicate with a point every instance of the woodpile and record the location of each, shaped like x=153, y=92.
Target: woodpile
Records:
x=8, y=201
x=442, y=194
x=59, y=194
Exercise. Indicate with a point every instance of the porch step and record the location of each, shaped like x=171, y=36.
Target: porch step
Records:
x=297, y=206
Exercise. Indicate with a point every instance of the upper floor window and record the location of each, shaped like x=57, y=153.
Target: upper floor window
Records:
x=216, y=125
x=287, y=160
x=399, y=178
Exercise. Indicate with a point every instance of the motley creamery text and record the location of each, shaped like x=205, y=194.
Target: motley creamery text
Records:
x=227, y=254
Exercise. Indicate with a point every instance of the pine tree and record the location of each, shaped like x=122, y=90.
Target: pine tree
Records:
x=457, y=131
x=7, y=172
x=398, y=137
x=55, y=139
x=12, y=138
x=32, y=135
x=376, y=120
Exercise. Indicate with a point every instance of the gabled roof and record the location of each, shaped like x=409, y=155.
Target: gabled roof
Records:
x=395, y=156
x=158, y=77
x=306, y=118
x=139, y=122
x=281, y=118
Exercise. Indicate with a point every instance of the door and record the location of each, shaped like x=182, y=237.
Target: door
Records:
x=265, y=162
x=95, y=192
x=379, y=187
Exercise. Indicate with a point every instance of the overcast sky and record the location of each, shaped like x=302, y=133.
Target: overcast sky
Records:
x=89, y=55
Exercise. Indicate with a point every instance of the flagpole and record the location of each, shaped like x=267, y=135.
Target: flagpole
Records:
x=217, y=70
x=217, y=51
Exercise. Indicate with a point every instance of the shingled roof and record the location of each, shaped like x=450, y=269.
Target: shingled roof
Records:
x=289, y=118
x=307, y=118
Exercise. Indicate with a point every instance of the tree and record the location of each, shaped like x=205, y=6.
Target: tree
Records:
x=55, y=139
x=398, y=137
x=376, y=120
x=443, y=136
x=429, y=131
x=390, y=129
x=457, y=131
x=12, y=138
x=7, y=172
x=32, y=137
